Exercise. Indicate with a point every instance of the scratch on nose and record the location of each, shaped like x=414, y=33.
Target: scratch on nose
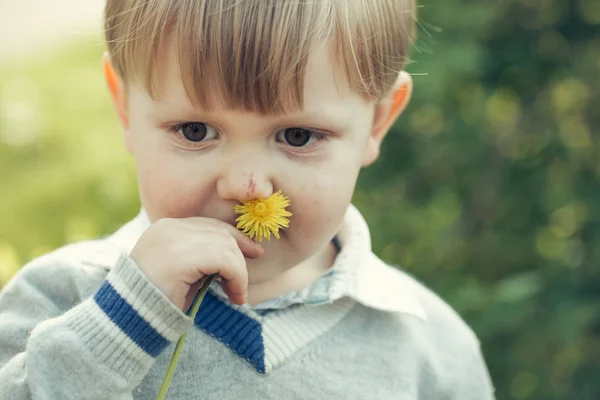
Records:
x=251, y=186
x=251, y=183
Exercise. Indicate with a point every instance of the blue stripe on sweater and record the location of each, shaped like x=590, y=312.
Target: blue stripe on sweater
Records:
x=236, y=330
x=130, y=322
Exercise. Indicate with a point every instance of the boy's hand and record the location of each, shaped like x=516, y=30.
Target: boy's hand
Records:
x=175, y=254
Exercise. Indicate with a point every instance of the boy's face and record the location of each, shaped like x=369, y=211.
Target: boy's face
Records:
x=194, y=163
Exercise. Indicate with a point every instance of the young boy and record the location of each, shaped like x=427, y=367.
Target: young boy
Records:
x=221, y=102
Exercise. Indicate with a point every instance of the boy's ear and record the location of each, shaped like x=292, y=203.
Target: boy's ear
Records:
x=386, y=113
x=118, y=95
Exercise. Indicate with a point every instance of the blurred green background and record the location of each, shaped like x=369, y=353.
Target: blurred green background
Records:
x=488, y=189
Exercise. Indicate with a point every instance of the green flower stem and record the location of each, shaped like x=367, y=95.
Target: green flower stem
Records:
x=162, y=393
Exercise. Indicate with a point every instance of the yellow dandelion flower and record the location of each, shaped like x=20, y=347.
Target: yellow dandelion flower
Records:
x=261, y=217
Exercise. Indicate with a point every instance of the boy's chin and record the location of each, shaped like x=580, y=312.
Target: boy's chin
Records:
x=264, y=269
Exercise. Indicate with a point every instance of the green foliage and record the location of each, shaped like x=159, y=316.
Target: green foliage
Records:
x=487, y=189
x=64, y=173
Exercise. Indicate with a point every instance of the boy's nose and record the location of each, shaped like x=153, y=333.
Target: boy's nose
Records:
x=244, y=184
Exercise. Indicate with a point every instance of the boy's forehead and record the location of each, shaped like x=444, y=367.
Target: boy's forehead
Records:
x=325, y=90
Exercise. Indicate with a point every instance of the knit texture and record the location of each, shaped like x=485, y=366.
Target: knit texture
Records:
x=84, y=322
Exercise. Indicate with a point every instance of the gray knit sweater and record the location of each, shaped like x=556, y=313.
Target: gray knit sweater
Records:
x=85, y=323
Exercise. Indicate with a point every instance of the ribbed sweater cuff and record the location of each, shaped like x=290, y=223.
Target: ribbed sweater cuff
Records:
x=129, y=321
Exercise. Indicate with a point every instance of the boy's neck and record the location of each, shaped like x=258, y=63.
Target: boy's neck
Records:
x=296, y=278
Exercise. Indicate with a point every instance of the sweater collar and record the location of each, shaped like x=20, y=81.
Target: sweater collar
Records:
x=357, y=272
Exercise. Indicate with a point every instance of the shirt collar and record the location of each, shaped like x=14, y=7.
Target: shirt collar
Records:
x=356, y=273
x=366, y=278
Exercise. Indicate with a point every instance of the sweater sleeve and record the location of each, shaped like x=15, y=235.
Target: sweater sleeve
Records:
x=472, y=377
x=55, y=346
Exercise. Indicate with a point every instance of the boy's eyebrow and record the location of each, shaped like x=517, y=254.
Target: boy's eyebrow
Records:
x=165, y=109
x=325, y=117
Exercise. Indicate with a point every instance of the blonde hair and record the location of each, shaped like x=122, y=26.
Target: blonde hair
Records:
x=254, y=52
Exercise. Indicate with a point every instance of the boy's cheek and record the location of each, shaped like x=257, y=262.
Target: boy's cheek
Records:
x=168, y=195
x=320, y=208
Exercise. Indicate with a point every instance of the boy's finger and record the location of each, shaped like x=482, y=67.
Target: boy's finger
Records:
x=234, y=276
x=236, y=294
x=249, y=248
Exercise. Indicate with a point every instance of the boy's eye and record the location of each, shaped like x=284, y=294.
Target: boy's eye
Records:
x=195, y=131
x=299, y=137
